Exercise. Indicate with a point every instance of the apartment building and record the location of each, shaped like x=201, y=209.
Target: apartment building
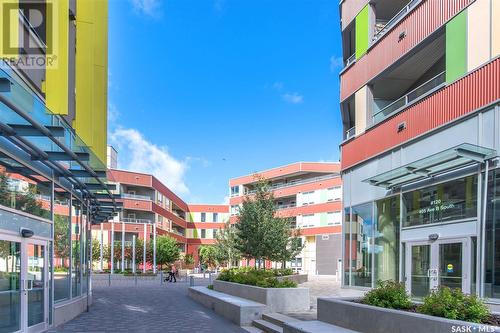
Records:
x=53, y=120
x=310, y=194
x=150, y=209
x=420, y=106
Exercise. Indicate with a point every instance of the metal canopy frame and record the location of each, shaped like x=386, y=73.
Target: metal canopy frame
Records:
x=444, y=161
x=84, y=178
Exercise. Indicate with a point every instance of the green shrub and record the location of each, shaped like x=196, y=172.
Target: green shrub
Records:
x=388, y=294
x=210, y=286
x=454, y=304
x=256, y=277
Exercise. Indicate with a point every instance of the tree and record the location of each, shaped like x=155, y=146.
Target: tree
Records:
x=226, y=245
x=188, y=259
x=260, y=233
x=167, y=250
x=208, y=255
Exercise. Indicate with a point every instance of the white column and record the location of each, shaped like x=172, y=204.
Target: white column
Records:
x=101, y=266
x=133, y=253
x=154, y=249
x=144, y=251
x=123, y=246
x=112, y=254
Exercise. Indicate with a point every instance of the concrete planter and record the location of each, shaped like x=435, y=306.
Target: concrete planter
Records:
x=371, y=319
x=297, y=278
x=275, y=299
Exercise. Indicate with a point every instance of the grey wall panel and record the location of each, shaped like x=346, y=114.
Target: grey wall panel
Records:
x=328, y=252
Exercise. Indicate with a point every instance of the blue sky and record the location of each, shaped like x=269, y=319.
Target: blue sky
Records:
x=201, y=91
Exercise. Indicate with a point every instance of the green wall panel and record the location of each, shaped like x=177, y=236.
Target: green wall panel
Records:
x=362, y=32
x=323, y=220
x=456, y=47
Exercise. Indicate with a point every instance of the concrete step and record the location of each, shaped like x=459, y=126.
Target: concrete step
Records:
x=314, y=326
x=251, y=329
x=278, y=318
x=267, y=326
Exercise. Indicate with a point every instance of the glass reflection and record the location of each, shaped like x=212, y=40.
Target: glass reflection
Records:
x=61, y=244
x=362, y=229
x=10, y=295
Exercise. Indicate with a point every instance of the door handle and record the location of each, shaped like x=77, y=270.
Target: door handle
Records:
x=30, y=285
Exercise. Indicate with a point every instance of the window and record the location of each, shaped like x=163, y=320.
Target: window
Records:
x=308, y=198
x=76, y=238
x=360, y=244
x=214, y=232
x=215, y=217
x=387, y=239
x=308, y=220
x=453, y=200
x=160, y=198
x=62, y=244
x=334, y=218
x=492, y=241
x=160, y=219
x=235, y=191
x=334, y=193
x=203, y=233
x=203, y=217
x=235, y=209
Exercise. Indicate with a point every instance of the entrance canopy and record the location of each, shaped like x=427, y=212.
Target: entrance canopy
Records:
x=444, y=161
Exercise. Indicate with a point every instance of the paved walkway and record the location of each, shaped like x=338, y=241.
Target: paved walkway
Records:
x=149, y=308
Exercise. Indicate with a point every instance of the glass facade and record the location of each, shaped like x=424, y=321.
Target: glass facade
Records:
x=453, y=200
x=387, y=239
x=362, y=227
x=76, y=246
x=492, y=242
x=62, y=244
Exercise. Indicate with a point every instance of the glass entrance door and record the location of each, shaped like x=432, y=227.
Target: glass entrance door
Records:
x=23, y=285
x=438, y=263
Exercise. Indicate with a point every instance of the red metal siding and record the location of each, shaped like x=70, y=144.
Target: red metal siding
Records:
x=128, y=177
x=419, y=24
x=331, y=206
x=169, y=215
x=137, y=204
x=474, y=91
x=159, y=186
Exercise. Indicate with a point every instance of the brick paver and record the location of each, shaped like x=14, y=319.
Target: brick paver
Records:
x=148, y=307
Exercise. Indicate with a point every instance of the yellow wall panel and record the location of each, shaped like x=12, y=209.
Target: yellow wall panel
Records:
x=56, y=77
x=478, y=34
x=92, y=74
x=360, y=105
x=495, y=28
x=7, y=45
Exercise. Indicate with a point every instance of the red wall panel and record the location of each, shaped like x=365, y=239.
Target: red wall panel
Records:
x=474, y=91
x=351, y=8
x=418, y=25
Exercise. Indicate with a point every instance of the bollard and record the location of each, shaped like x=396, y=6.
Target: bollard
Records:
x=209, y=278
x=109, y=279
x=191, y=281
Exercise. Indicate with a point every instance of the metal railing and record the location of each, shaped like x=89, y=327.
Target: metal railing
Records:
x=286, y=206
x=295, y=183
x=350, y=133
x=421, y=91
x=350, y=60
x=133, y=220
x=392, y=22
x=119, y=279
x=135, y=196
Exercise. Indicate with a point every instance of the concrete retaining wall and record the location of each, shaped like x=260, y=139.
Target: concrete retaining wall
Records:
x=370, y=319
x=276, y=299
x=66, y=311
x=239, y=311
x=297, y=278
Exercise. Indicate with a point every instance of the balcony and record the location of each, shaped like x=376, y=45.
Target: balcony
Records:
x=285, y=206
x=382, y=26
x=416, y=94
x=295, y=183
x=350, y=133
x=135, y=196
x=135, y=221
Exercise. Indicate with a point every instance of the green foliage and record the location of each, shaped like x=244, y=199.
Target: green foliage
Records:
x=188, y=259
x=389, y=294
x=454, y=304
x=226, y=245
x=260, y=234
x=167, y=250
x=61, y=236
x=256, y=277
x=210, y=286
x=208, y=255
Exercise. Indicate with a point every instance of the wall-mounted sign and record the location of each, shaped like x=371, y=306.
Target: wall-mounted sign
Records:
x=449, y=268
x=436, y=206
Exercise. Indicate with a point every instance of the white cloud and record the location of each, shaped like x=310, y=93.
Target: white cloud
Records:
x=293, y=98
x=336, y=63
x=278, y=85
x=138, y=154
x=147, y=7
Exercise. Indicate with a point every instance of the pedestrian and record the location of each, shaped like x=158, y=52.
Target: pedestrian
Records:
x=173, y=272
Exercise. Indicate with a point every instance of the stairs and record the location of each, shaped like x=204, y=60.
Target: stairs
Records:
x=274, y=323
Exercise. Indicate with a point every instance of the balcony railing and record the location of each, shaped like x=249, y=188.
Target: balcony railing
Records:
x=286, y=206
x=421, y=91
x=350, y=60
x=393, y=21
x=174, y=231
x=135, y=196
x=350, y=133
x=136, y=221
x=295, y=183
